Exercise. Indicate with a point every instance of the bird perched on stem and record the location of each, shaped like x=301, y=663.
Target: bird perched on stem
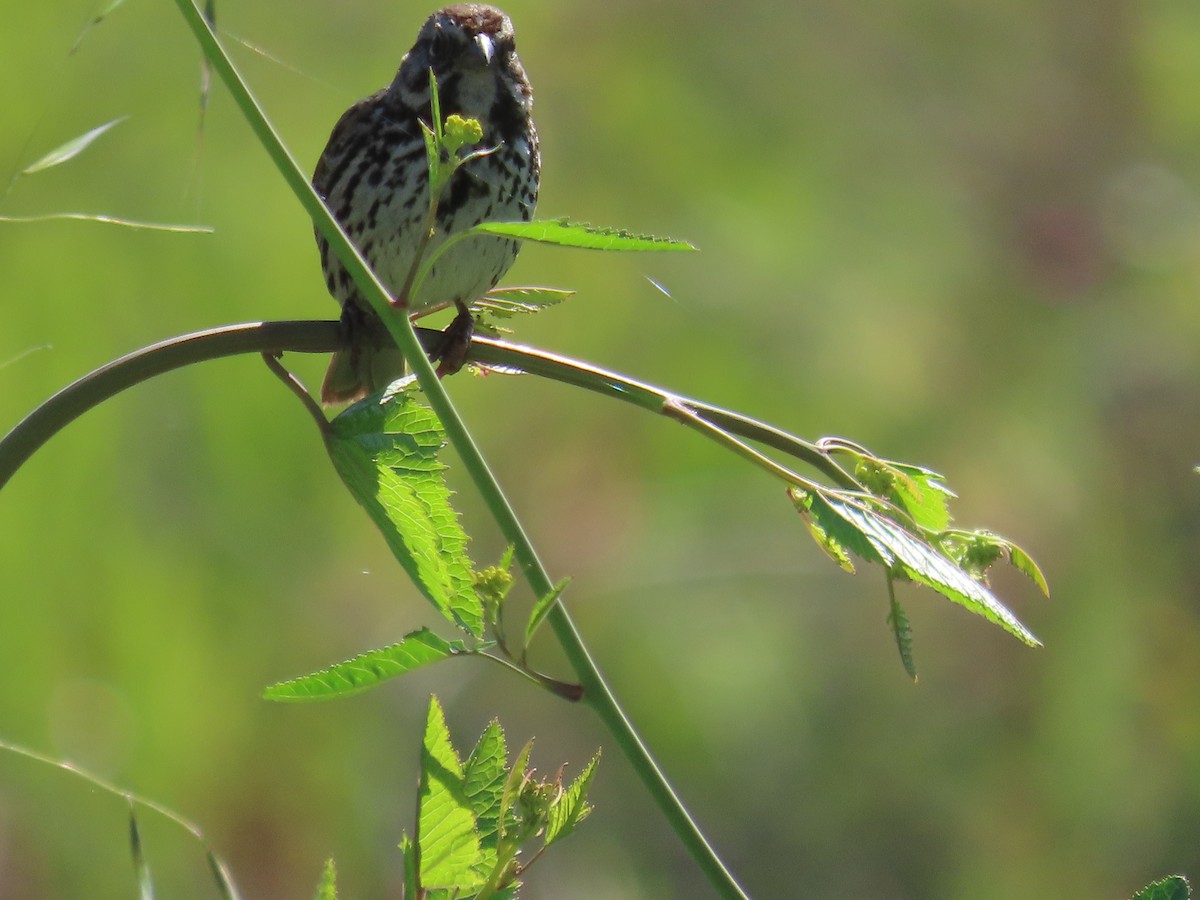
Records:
x=374, y=177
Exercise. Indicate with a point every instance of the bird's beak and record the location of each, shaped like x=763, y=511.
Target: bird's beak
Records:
x=485, y=49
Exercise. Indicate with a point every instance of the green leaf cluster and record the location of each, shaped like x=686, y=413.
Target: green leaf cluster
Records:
x=898, y=515
x=475, y=818
x=386, y=450
x=507, y=303
x=845, y=524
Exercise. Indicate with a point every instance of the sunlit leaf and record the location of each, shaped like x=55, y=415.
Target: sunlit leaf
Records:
x=327, y=887
x=876, y=538
x=504, y=303
x=572, y=806
x=70, y=149
x=512, y=785
x=1023, y=563
x=365, y=671
x=1173, y=887
x=901, y=630
x=588, y=237
x=918, y=491
x=977, y=551
x=832, y=548
x=842, y=537
x=447, y=840
x=387, y=454
x=542, y=608
x=483, y=783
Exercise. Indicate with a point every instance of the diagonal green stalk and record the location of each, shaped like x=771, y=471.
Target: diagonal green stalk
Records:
x=596, y=691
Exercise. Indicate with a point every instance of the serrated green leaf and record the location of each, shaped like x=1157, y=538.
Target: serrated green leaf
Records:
x=901, y=630
x=512, y=789
x=565, y=233
x=842, y=537
x=977, y=551
x=485, y=770
x=450, y=855
x=327, y=887
x=1173, y=887
x=140, y=867
x=387, y=454
x=72, y=148
x=924, y=564
x=504, y=303
x=920, y=492
x=507, y=303
x=483, y=784
x=825, y=541
x=365, y=671
x=542, y=608
x=973, y=551
x=1023, y=562
x=572, y=807
x=876, y=538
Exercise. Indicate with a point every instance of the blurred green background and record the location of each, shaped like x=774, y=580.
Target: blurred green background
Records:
x=966, y=235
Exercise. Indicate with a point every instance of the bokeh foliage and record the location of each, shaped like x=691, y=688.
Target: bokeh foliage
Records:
x=966, y=236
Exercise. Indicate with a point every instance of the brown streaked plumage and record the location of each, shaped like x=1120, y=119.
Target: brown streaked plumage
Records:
x=374, y=177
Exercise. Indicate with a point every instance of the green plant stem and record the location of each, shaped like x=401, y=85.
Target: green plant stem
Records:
x=680, y=412
x=219, y=869
x=142, y=365
x=597, y=694
x=593, y=378
x=325, y=337
x=572, y=692
x=303, y=336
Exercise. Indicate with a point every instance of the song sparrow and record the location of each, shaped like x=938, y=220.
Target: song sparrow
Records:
x=374, y=177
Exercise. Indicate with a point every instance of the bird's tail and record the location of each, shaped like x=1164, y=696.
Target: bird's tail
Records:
x=360, y=371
